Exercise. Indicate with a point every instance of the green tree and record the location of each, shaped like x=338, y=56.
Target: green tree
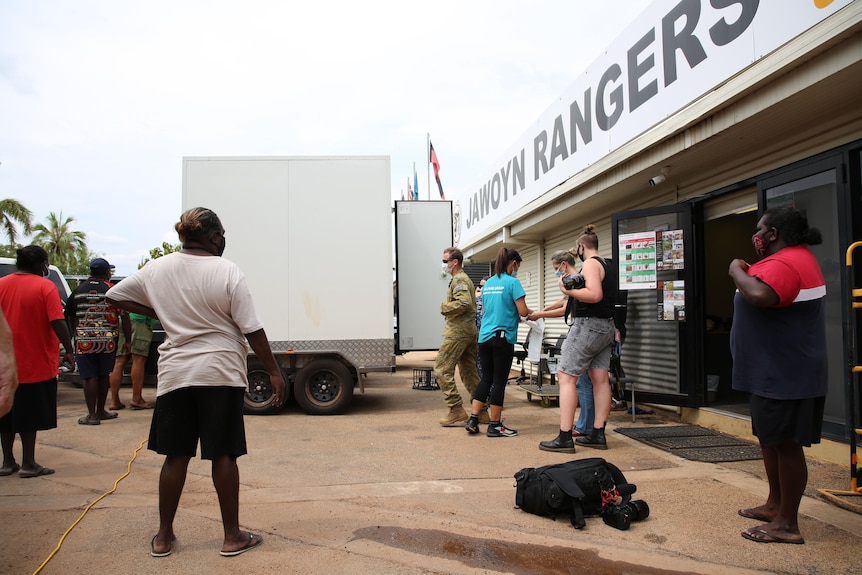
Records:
x=160, y=251
x=79, y=264
x=12, y=211
x=60, y=241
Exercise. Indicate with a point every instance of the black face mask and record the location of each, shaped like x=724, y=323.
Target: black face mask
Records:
x=581, y=254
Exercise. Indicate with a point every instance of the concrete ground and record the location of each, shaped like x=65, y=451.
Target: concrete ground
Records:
x=385, y=490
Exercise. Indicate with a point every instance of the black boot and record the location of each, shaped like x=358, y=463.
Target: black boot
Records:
x=562, y=443
x=472, y=426
x=596, y=439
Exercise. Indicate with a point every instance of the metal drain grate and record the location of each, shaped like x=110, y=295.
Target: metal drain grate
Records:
x=695, y=443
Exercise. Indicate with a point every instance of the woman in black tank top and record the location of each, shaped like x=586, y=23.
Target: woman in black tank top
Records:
x=587, y=347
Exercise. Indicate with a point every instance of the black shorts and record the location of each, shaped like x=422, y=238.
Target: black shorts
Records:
x=95, y=364
x=776, y=421
x=34, y=408
x=211, y=414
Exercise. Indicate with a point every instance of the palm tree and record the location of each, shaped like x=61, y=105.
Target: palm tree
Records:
x=60, y=240
x=12, y=211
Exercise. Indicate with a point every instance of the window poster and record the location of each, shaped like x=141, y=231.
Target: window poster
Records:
x=638, y=260
x=671, y=300
x=670, y=254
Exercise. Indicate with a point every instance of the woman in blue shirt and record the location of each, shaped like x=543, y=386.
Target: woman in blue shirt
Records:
x=504, y=305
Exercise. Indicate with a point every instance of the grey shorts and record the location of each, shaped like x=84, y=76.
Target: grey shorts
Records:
x=588, y=345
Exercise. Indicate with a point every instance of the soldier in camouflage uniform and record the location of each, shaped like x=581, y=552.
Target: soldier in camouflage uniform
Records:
x=460, y=344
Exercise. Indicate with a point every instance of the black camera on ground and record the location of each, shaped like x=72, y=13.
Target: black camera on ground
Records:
x=574, y=281
x=621, y=516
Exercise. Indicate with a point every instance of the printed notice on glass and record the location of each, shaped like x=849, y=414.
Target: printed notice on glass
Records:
x=671, y=300
x=670, y=254
x=637, y=260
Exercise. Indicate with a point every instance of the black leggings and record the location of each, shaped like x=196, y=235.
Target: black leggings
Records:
x=495, y=356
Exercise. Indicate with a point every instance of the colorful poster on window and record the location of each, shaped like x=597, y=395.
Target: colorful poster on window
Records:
x=637, y=260
x=671, y=300
x=670, y=255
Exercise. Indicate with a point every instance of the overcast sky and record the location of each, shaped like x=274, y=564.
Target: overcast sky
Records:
x=100, y=100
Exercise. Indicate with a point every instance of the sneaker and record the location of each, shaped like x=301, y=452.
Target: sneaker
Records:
x=472, y=425
x=500, y=430
x=558, y=444
x=455, y=417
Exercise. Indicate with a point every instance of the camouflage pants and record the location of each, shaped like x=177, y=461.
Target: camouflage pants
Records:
x=461, y=353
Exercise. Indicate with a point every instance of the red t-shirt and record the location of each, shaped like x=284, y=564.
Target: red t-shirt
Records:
x=30, y=303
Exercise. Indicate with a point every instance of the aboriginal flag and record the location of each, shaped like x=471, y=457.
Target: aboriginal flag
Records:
x=436, y=163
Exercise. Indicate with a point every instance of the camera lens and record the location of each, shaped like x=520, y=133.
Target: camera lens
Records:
x=638, y=509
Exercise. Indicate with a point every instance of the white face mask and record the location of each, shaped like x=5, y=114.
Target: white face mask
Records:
x=444, y=271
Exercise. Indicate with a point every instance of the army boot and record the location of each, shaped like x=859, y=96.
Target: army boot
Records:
x=456, y=417
x=484, y=418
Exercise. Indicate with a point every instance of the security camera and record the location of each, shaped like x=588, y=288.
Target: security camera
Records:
x=655, y=180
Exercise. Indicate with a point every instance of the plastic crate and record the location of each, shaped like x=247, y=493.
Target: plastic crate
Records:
x=423, y=378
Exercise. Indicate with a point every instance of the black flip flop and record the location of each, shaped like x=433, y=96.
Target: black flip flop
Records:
x=38, y=473
x=253, y=541
x=154, y=553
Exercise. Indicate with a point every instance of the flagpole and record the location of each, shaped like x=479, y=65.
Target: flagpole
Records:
x=428, y=161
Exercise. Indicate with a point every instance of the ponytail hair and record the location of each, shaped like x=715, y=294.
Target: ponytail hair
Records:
x=504, y=257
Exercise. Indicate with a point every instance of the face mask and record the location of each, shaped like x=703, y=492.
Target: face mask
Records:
x=514, y=273
x=46, y=272
x=581, y=254
x=559, y=273
x=760, y=244
x=444, y=271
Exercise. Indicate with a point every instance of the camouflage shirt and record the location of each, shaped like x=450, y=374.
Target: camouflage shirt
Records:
x=460, y=308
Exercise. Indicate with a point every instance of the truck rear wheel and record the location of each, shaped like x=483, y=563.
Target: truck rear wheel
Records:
x=258, y=398
x=323, y=387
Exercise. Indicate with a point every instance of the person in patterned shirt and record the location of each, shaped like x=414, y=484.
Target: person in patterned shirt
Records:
x=94, y=324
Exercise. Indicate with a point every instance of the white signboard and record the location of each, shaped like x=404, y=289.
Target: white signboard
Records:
x=675, y=52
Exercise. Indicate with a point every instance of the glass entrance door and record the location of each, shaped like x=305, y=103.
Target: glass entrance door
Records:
x=813, y=190
x=656, y=254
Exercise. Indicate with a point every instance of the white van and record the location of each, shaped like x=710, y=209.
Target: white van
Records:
x=7, y=266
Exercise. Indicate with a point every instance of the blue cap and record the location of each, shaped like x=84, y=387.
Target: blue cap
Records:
x=100, y=266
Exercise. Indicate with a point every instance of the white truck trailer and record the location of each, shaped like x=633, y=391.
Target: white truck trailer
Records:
x=314, y=238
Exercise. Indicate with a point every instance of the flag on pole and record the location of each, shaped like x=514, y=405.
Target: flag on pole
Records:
x=436, y=163
x=409, y=189
x=415, y=182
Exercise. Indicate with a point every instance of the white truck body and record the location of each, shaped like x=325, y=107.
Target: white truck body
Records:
x=313, y=236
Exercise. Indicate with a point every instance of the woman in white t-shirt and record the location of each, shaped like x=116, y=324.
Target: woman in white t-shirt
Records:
x=206, y=309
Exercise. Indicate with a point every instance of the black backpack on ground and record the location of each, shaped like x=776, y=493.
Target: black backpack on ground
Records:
x=579, y=488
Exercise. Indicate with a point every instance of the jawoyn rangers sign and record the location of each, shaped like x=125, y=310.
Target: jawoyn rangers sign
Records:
x=672, y=54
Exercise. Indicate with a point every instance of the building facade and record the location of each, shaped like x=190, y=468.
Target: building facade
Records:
x=695, y=121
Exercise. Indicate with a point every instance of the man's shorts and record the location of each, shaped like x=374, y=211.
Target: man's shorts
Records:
x=142, y=337
x=212, y=414
x=34, y=408
x=95, y=364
